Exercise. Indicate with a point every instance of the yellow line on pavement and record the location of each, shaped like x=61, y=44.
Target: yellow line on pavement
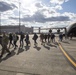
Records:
x=72, y=62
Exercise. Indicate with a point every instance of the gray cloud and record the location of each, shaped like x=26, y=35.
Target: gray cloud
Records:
x=39, y=17
x=58, y=18
x=5, y=6
x=39, y=5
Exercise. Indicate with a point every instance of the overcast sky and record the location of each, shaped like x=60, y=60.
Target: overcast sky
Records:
x=44, y=13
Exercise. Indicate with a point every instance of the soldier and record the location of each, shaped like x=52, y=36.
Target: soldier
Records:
x=53, y=37
x=60, y=36
x=27, y=39
x=15, y=39
x=21, y=39
x=10, y=40
x=35, y=37
x=5, y=41
x=1, y=40
x=45, y=37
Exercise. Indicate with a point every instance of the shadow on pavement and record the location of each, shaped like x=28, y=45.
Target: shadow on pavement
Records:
x=52, y=45
x=38, y=48
x=20, y=50
x=72, y=39
x=55, y=43
x=27, y=48
x=34, y=74
x=46, y=47
x=31, y=74
x=66, y=42
x=8, y=56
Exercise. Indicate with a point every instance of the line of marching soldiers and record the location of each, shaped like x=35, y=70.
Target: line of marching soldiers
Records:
x=12, y=39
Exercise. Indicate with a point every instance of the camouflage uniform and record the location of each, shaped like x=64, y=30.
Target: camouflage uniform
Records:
x=5, y=41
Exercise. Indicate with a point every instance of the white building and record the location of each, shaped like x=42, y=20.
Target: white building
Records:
x=15, y=29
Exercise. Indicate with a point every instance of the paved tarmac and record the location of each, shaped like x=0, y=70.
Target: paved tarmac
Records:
x=45, y=59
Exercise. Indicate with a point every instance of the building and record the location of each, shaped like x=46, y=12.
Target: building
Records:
x=15, y=29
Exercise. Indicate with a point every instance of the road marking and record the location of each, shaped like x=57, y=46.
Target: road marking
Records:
x=72, y=62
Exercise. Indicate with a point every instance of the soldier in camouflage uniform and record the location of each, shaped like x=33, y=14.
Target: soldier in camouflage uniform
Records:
x=5, y=41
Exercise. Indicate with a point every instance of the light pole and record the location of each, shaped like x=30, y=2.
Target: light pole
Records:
x=0, y=23
x=19, y=17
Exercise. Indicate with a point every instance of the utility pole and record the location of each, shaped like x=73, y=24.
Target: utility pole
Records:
x=0, y=23
x=19, y=17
